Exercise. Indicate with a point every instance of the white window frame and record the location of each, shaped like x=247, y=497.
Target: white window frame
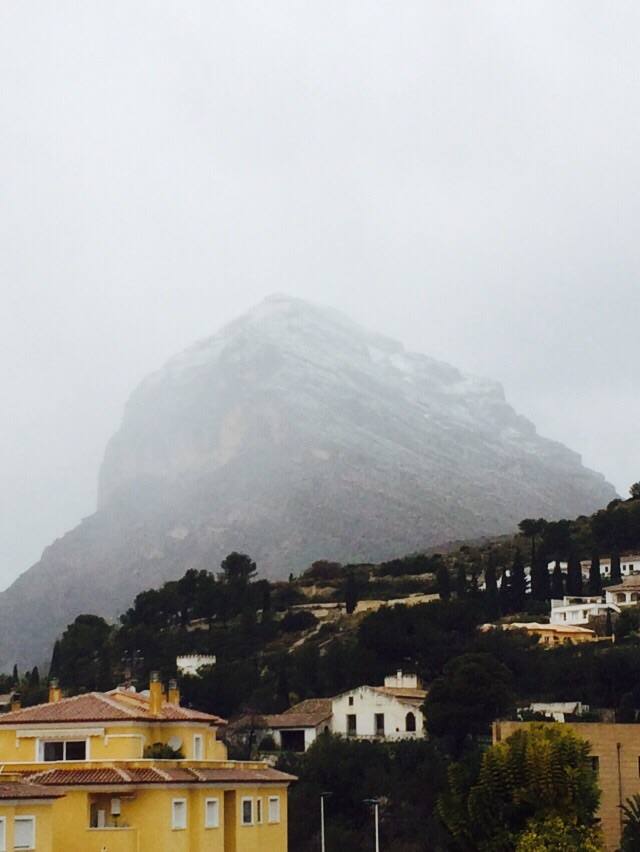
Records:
x=32, y=820
x=40, y=744
x=243, y=801
x=174, y=825
x=258, y=810
x=274, y=800
x=198, y=739
x=3, y=834
x=216, y=822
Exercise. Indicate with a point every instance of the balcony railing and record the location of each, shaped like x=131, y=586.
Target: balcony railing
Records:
x=120, y=839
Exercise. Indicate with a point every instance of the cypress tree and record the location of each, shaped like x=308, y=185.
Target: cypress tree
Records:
x=557, y=582
x=616, y=574
x=595, y=580
x=351, y=593
x=540, y=582
x=608, y=630
x=574, y=575
x=14, y=676
x=491, y=587
x=461, y=581
x=474, y=591
x=444, y=582
x=54, y=665
x=518, y=583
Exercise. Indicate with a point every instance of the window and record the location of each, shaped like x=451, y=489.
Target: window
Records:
x=179, y=814
x=595, y=764
x=274, y=808
x=247, y=811
x=211, y=813
x=198, y=750
x=3, y=834
x=410, y=722
x=258, y=811
x=24, y=832
x=351, y=724
x=351, y=701
x=59, y=750
x=379, y=723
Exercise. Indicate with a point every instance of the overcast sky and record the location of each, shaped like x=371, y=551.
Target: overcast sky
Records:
x=462, y=176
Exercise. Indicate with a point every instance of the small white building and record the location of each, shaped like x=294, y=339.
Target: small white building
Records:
x=626, y=593
x=559, y=710
x=629, y=565
x=578, y=610
x=190, y=664
x=389, y=712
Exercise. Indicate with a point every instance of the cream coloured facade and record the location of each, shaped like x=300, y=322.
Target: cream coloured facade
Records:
x=390, y=712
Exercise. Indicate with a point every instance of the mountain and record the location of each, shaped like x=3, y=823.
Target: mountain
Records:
x=293, y=434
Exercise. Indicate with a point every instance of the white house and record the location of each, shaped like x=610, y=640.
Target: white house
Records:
x=578, y=610
x=390, y=712
x=626, y=593
x=629, y=564
x=190, y=664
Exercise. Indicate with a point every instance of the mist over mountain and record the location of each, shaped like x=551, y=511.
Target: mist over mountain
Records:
x=293, y=434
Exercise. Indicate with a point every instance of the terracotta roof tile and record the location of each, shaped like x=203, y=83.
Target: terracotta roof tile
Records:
x=306, y=714
x=104, y=707
x=113, y=776
x=20, y=790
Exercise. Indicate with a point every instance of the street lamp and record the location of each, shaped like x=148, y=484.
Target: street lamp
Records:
x=375, y=804
x=323, y=796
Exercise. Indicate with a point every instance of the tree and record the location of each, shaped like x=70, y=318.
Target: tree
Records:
x=531, y=528
x=557, y=583
x=491, y=589
x=518, y=583
x=608, y=629
x=540, y=584
x=237, y=569
x=473, y=690
x=541, y=772
x=634, y=491
x=443, y=582
x=351, y=593
x=505, y=592
x=555, y=835
x=631, y=825
x=461, y=581
x=574, y=575
x=15, y=677
x=616, y=574
x=83, y=654
x=595, y=578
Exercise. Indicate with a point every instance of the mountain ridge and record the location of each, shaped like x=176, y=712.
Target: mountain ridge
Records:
x=293, y=434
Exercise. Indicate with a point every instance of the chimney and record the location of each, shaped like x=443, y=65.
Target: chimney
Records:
x=16, y=702
x=155, y=694
x=399, y=677
x=55, y=693
x=174, y=692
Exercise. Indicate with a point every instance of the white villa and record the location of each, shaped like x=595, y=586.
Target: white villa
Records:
x=578, y=610
x=190, y=664
x=389, y=712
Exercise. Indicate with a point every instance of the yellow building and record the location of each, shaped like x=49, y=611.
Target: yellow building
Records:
x=615, y=750
x=82, y=761
x=551, y=635
x=25, y=816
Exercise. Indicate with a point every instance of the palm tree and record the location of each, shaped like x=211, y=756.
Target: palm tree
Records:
x=631, y=820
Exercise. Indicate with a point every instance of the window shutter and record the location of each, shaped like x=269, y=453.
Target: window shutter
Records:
x=24, y=833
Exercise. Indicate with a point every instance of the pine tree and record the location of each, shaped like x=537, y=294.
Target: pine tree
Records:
x=518, y=583
x=595, y=580
x=574, y=575
x=616, y=574
x=461, y=581
x=557, y=582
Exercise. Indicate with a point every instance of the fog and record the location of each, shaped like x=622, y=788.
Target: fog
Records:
x=459, y=175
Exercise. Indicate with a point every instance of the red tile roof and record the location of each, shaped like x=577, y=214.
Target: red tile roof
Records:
x=20, y=790
x=115, y=706
x=116, y=776
x=306, y=714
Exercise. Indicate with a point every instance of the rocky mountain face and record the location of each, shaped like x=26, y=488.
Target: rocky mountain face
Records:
x=293, y=434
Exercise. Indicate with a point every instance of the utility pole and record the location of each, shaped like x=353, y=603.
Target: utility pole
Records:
x=375, y=803
x=323, y=796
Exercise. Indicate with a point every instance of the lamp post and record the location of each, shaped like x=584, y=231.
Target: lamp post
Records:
x=323, y=796
x=375, y=804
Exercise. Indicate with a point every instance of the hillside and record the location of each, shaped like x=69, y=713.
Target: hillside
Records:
x=293, y=434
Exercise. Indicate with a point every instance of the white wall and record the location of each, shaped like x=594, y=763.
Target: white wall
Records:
x=366, y=703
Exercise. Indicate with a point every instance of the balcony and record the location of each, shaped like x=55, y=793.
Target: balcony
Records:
x=120, y=839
